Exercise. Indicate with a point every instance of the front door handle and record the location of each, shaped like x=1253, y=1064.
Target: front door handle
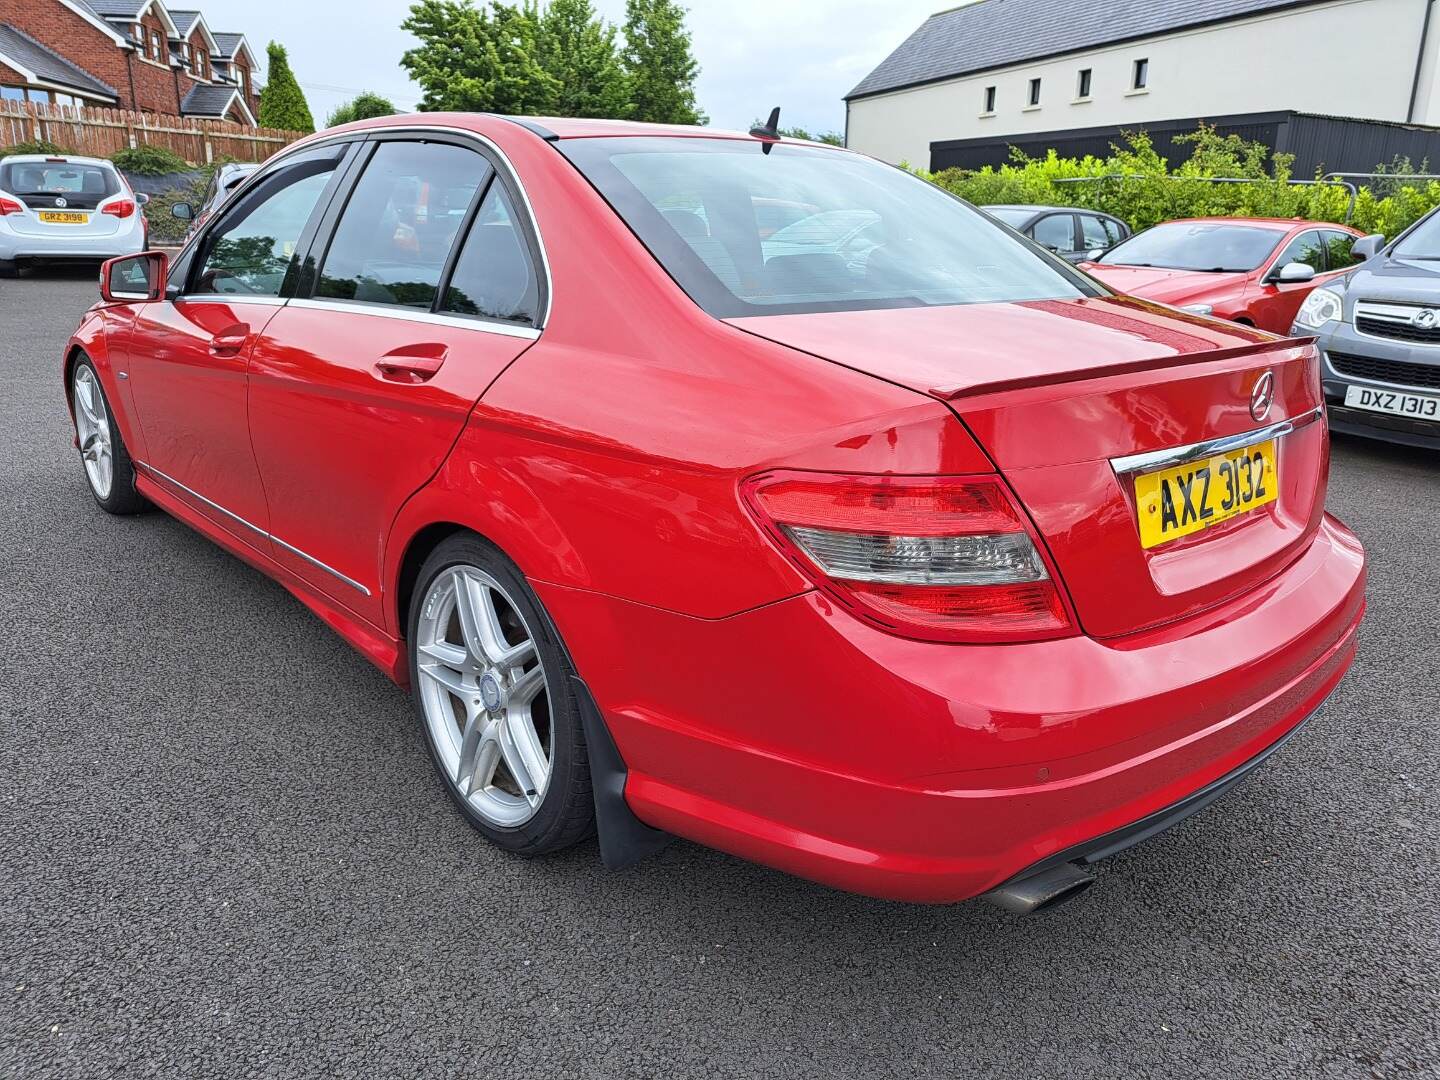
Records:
x=412, y=363
x=230, y=341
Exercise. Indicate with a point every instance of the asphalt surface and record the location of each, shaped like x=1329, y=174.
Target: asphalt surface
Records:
x=224, y=853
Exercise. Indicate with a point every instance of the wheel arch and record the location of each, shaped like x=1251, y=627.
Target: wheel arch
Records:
x=417, y=549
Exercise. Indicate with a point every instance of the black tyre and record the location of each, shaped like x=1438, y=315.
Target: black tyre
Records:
x=103, y=454
x=493, y=688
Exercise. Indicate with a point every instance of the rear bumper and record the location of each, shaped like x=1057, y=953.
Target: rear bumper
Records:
x=796, y=737
x=128, y=241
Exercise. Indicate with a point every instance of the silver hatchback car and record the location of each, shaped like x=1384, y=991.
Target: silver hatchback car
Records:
x=66, y=209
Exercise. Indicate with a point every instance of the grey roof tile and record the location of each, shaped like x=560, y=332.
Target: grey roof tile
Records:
x=995, y=33
x=47, y=65
x=205, y=100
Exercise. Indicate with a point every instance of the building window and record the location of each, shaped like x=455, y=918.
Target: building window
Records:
x=156, y=46
x=1082, y=88
x=12, y=93
x=1141, y=75
x=1034, y=92
x=989, y=99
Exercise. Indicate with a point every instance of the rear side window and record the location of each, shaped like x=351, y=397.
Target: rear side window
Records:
x=1094, y=232
x=750, y=232
x=252, y=248
x=397, y=230
x=494, y=277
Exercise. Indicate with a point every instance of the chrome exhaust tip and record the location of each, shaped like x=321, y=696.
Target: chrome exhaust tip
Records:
x=1037, y=892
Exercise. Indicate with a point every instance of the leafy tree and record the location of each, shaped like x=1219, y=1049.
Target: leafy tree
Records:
x=659, y=62
x=473, y=60
x=363, y=107
x=578, y=50
x=282, y=103
x=830, y=138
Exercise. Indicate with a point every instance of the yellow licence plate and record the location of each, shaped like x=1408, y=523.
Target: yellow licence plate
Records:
x=1182, y=500
x=62, y=217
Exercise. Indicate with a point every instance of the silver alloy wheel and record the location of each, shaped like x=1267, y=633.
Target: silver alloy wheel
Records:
x=92, y=425
x=485, y=695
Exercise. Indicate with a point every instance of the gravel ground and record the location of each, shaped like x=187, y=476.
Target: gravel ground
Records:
x=223, y=853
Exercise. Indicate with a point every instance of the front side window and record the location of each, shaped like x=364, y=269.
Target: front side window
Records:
x=495, y=276
x=1214, y=247
x=253, y=248
x=1422, y=242
x=1337, y=249
x=858, y=235
x=1093, y=232
x=396, y=232
x=1306, y=248
x=1056, y=232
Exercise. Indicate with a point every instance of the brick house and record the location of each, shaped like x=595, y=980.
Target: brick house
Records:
x=128, y=54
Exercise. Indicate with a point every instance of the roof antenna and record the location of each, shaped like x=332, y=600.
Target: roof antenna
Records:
x=769, y=130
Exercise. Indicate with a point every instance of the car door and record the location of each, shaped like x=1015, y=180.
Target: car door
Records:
x=1056, y=232
x=1275, y=302
x=190, y=352
x=426, y=288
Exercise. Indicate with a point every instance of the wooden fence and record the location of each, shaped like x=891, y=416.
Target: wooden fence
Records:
x=93, y=132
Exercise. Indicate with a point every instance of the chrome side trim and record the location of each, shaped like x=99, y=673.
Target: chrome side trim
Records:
x=1179, y=455
x=227, y=298
x=458, y=322
x=252, y=527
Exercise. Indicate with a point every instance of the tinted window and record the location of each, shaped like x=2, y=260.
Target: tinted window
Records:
x=1197, y=245
x=702, y=207
x=1337, y=249
x=83, y=187
x=395, y=235
x=252, y=248
x=1055, y=231
x=1093, y=233
x=1306, y=248
x=494, y=277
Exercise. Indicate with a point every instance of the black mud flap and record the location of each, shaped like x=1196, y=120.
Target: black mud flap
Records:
x=624, y=838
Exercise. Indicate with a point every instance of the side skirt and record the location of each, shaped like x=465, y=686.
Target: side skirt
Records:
x=370, y=641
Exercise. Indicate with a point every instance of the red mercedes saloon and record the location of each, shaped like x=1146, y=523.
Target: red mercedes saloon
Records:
x=739, y=489
x=1255, y=271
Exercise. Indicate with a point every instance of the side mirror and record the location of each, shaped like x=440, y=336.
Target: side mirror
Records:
x=1367, y=247
x=141, y=198
x=134, y=278
x=182, y=210
x=1295, y=272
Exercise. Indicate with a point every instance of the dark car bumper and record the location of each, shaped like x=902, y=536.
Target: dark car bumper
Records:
x=1354, y=359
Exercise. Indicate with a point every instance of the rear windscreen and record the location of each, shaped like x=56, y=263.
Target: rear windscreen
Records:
x=800, y=228
x=80, y=185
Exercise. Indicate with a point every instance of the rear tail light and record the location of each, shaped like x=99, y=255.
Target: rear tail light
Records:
x=10, y=206
x=936, y=558
x=121, y=208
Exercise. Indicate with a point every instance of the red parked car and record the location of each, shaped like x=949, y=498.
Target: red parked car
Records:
x=1256, y=271
x=912, y=562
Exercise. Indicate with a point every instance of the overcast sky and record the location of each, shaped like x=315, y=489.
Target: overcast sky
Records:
x=804, y=55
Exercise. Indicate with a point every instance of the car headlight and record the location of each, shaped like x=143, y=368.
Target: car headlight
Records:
x=1320, y=307
x=1198, y=309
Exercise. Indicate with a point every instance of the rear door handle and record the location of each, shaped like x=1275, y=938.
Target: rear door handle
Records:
x=412, y=363
x=230, y=341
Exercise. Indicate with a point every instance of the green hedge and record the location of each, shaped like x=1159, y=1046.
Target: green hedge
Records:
x=1152, y=192
x=149, y=161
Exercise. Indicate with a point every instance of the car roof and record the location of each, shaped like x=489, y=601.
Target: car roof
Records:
x=1277, y=224
x=68, y=159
